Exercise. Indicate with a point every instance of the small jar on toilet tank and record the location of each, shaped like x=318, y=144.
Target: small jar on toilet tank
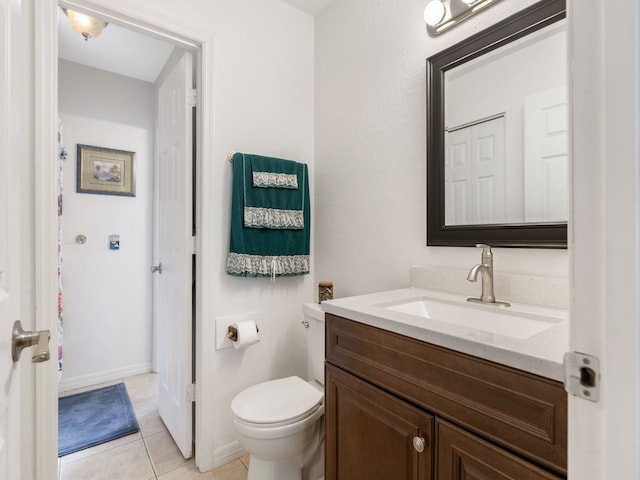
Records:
x=325, y=291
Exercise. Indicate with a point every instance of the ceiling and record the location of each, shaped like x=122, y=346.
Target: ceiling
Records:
x=116, y=50
x=312, y=7
x=132, y=54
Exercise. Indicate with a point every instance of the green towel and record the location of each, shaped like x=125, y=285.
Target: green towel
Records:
x=272, y=198
x=273, y=173
x=268, y=247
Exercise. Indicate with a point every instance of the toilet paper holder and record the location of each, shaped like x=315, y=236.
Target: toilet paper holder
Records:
x=232, y=333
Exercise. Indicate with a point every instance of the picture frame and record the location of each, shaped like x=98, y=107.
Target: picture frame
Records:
x=105, y=171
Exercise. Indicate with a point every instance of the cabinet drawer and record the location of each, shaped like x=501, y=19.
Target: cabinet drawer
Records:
x=522, y=412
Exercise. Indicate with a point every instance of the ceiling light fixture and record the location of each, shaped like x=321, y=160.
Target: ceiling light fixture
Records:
x=440, y=15
x=88, y=27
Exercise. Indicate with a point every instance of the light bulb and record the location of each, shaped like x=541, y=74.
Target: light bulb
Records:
x=434, y=12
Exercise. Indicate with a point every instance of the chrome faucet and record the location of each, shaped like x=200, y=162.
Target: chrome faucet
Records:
x=486, y=271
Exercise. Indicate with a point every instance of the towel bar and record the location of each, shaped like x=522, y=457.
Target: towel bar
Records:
x=230, y=155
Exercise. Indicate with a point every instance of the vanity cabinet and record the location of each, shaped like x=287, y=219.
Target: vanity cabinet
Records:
x=399, y=408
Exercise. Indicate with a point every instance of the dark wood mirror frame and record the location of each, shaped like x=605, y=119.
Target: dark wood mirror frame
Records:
x=547, y=235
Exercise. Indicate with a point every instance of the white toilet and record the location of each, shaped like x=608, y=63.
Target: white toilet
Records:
x=280, y=422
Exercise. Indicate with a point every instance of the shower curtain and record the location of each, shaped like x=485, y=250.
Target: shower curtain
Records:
x=62, y=156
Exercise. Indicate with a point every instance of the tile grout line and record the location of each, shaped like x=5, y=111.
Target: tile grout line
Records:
x=146, y=449
x=144, y=441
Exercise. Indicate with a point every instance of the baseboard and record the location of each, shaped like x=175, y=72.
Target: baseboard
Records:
x=102, y=377
x=223, y=455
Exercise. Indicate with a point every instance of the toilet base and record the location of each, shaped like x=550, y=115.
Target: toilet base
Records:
x=284, y=469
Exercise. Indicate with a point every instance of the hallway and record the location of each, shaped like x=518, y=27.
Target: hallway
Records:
x=149, y=454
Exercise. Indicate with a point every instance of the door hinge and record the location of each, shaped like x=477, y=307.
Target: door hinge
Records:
x=192, y=245
x=192, y=98
x=582, y=375
x=191, y=392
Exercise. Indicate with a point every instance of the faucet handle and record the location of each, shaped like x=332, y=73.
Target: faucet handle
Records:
x=486, y=249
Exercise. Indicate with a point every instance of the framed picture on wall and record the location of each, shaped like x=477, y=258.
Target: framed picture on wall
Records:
x=105, y=171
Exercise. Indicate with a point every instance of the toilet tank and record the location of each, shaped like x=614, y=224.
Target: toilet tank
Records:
x=314, y=318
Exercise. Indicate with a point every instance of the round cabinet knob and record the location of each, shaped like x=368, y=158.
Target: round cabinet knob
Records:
x=419, y=443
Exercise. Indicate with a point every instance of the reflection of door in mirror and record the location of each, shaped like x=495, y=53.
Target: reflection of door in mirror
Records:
x=524, y=84
x=474, y=187
x=546, y=159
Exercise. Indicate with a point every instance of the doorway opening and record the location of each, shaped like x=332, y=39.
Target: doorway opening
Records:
x=114, y=320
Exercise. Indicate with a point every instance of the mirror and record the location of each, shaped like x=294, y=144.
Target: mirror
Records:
x=497, y=134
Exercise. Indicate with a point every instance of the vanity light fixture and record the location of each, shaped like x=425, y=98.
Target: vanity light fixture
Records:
x=440, y=15
x=434, y=13
x=88, y=27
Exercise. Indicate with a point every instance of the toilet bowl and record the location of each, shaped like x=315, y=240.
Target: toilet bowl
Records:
x=280, y=422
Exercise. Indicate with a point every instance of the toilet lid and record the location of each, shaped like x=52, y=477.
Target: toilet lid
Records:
x=276, y=401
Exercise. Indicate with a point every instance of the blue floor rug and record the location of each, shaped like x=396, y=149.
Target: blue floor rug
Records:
x=90, y=418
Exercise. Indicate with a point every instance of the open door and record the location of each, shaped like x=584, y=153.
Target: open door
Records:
x=9, y=268
x=174, y=252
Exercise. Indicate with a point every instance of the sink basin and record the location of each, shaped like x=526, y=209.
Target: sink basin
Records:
x=506, y=321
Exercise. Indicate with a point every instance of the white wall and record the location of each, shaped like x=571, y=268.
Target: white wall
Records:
x=505, y=77
x=370, y=148
x=107, y=293
x=263, y=91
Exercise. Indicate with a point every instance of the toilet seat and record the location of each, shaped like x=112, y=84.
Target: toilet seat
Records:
x=276, y=402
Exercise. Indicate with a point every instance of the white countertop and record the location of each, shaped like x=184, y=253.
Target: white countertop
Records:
x=540, y=354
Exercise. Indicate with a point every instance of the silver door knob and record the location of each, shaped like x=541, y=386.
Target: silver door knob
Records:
x=156, y=268
x=21, y=340
x=419, y=443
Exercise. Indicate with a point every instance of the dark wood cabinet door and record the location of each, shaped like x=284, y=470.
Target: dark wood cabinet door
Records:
x=371, y=434
x=461, y=455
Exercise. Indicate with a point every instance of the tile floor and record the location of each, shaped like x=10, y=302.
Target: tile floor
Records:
x=149, y=454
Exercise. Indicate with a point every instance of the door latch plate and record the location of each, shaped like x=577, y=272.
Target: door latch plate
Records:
x=582, y=375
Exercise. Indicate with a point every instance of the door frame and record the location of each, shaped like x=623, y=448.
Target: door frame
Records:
x=46, y=115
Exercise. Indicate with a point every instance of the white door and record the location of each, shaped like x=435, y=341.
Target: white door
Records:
x=475, y=173
x=174, y=247
x=604, y=437
x=9, y=271
x=457, y=177
x=546, y=159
